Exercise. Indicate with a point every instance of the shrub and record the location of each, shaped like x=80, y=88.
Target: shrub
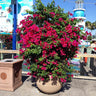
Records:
x=49, y=38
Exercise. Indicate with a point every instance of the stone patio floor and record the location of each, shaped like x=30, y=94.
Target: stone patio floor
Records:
x=78, y=87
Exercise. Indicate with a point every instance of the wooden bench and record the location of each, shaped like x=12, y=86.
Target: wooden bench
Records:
x=9, y=51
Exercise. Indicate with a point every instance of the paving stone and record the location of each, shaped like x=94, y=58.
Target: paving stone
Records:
x=78, y=87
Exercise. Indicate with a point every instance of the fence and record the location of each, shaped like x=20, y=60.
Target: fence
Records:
x=11, y=52
x=87, y=70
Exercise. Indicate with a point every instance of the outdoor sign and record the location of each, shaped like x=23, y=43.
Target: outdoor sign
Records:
x=6, y=14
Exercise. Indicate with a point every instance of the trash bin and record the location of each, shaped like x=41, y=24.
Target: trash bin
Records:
x=10, y=74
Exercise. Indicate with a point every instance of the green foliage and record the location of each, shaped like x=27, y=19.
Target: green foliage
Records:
x=49, y=38
x=89, y=37
x=91, y=26
x=7, y=40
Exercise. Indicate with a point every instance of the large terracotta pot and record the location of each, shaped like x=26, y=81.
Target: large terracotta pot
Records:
x=50, y=86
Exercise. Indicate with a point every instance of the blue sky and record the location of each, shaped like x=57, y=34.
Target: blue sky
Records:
x=69, y=5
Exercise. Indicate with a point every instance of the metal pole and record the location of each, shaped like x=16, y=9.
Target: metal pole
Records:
x=14, y=24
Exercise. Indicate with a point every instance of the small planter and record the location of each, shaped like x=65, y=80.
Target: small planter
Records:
x=50, y=87
x=10, y=74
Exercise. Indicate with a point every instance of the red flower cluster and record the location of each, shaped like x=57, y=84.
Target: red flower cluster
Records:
x=48, y=45
x=70, y=14
x=52, y=14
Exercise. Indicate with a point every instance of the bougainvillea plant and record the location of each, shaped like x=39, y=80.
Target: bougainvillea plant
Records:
x=49, y=38
x=7, y=40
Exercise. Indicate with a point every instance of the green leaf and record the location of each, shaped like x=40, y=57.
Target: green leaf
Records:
x=56, y=57
x=41, y=59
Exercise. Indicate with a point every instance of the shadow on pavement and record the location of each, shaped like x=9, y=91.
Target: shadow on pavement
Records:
x=65, y=87
x=24, y=77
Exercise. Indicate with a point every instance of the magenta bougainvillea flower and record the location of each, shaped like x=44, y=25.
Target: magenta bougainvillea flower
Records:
x=49, y=42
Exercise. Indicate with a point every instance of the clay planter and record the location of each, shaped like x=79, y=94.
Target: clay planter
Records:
x=50, y=87
x=10, y=74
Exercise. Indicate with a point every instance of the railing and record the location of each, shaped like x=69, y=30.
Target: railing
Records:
x=8, y=52
x=85, y=67
x=86, y=55
x=87, y=70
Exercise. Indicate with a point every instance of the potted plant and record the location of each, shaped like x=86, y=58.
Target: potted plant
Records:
x=49, y=38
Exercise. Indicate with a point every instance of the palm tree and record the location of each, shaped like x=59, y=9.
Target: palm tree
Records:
x=91, y=26
x=87, y=24
x=94, y=24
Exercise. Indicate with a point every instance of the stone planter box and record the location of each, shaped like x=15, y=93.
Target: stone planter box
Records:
x=10, y=74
